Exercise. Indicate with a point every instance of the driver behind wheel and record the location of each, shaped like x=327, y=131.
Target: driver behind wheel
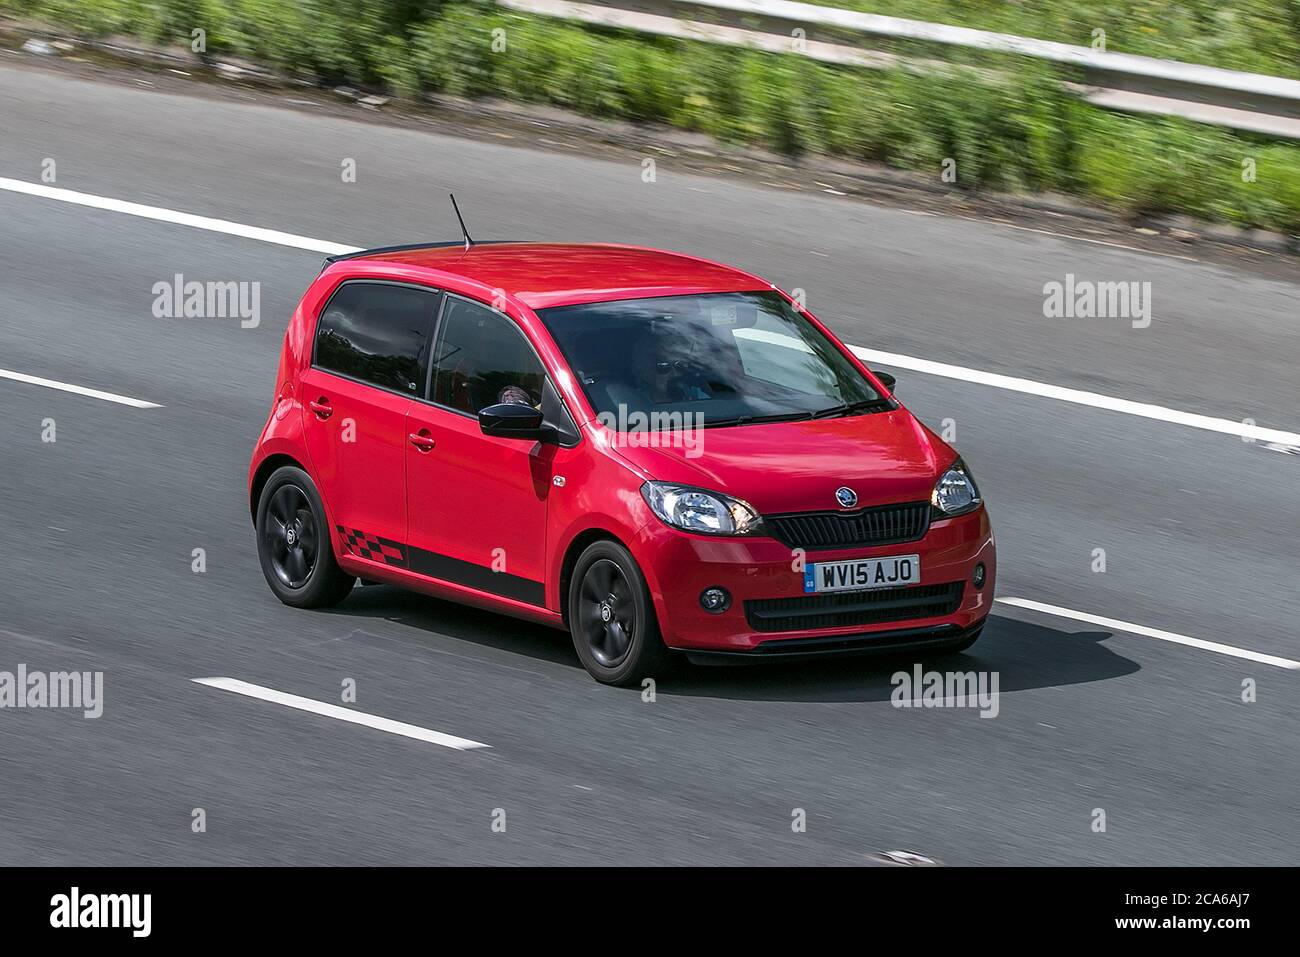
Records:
x=664, y=369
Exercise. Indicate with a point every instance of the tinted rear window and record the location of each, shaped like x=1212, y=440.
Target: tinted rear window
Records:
x=378, y=333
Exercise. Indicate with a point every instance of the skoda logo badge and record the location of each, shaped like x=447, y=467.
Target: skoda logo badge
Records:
x=846, y=497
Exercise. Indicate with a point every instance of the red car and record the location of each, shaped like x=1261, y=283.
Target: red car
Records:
x=655, y=452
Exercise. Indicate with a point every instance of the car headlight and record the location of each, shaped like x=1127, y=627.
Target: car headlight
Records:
x=695, y=510
x=956, y=492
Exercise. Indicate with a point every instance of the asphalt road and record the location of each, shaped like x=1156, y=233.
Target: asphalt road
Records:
x=97, y=530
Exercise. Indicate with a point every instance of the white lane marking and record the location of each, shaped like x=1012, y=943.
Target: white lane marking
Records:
x=1078, y=397
x=172, y=216
x=342, y=714
x=908, y=859
x=1011, y=383
x=78, y=389
x=1116, y=625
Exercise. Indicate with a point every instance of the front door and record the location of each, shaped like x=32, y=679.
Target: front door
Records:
x=476, y=504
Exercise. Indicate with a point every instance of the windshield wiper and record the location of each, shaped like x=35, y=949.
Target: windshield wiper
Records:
x=851, y=407
x=757, y=419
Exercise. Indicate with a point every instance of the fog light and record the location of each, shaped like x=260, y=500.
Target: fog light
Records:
x=977, y=577
x=715, y=600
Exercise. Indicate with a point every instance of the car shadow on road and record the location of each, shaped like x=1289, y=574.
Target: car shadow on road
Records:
x=1024, y=655
x=448, y=619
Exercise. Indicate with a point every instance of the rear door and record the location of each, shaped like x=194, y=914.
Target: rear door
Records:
x=370, y=358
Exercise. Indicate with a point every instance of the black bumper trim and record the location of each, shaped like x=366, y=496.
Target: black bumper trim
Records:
x=876, y=642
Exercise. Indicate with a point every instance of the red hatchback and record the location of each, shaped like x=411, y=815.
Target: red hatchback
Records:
x=655, y=452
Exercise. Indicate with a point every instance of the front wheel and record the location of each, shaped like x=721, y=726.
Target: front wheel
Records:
x=293, y=543
x=612, y=619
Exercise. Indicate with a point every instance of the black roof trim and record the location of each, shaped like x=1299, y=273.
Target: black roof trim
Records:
x=361, y=253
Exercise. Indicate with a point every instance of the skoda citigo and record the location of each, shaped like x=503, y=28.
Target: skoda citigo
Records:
x=657, y=453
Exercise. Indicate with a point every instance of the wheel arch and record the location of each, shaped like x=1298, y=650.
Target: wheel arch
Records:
x=264, y=471
x=577, y=546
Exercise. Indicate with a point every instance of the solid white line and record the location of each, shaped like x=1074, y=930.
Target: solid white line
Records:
x=172, y=216
x=1116, y=625
x=342, y=714
x=1010, y=383
x=1077, y=396
x=78, y=389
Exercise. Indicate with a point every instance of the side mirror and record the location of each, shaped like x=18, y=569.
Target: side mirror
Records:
x=511, y=421
x=885, y=378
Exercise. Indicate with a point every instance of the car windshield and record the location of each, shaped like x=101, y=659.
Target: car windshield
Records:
x=715, y=359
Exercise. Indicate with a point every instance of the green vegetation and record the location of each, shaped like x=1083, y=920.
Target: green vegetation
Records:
x=1016, y=131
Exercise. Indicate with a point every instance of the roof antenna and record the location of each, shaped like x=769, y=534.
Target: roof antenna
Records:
x=468, y=242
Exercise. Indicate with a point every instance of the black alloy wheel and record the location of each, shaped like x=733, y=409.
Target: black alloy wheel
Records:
x=292, y=536
x=607, y=615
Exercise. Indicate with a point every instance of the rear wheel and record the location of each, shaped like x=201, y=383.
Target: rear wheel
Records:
x=612, y=618
x=293, y=543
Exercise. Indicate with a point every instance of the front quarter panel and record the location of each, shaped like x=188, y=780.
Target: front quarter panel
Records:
x=600, y=494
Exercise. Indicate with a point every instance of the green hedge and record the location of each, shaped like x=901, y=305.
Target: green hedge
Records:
x=1022, y=132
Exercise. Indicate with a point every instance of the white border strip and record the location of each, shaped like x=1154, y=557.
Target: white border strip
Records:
x=78, y=390
x=341, y=714
x=1114, y=624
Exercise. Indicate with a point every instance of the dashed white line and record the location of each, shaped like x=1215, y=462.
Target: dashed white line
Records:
x=1114, y=624
x=78, y=390
x=927, y=366
x=341, y=714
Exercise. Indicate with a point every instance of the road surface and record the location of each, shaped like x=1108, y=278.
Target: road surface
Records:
x=99, y=527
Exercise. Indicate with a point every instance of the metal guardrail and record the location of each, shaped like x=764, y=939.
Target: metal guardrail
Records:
x=1122, y=81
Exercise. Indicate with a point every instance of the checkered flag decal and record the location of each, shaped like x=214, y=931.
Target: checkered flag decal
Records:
x=376, y=549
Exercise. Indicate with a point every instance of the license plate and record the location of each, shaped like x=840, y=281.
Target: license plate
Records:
x=862, y=573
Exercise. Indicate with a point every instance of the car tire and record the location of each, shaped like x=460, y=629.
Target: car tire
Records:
x=612, y=618
x=294, y=543
x=963, y=643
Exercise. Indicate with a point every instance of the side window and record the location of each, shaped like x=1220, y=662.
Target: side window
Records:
x=483, y=359
x=378, y=333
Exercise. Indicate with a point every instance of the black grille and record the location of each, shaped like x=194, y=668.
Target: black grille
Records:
x=886, y=525
x=853, y=608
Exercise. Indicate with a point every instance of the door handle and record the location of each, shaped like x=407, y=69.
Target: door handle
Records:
x=422, y=440
x=322, y=407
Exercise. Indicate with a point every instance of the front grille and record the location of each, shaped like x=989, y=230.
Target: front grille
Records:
x=885, y=525
x=853, y=608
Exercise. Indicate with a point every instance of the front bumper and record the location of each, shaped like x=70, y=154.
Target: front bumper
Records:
x=892, y=640
x=678, y=566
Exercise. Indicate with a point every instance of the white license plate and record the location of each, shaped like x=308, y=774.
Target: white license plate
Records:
x=862, y=573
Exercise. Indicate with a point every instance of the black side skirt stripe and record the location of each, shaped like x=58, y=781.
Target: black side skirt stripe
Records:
x=443, y=567
x=477, y=576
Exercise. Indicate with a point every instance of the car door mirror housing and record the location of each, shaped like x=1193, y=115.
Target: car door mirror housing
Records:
x=885, y=378
x=511, y=421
